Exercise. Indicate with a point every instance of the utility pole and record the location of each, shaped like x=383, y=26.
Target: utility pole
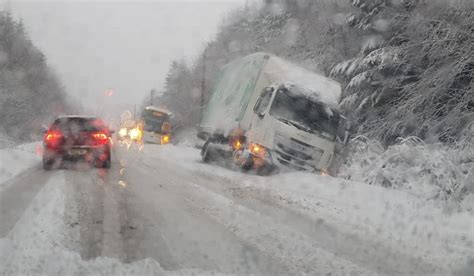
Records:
x=152, y=94
x=203, y=84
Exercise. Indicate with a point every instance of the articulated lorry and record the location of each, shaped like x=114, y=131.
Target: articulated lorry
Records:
x=266, y=113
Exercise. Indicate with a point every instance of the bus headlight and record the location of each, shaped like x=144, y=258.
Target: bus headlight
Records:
x=165, y=139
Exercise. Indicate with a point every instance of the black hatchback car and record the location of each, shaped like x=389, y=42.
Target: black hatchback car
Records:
x=72, y=138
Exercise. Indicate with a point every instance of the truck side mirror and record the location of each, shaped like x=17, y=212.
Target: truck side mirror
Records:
x=257, y=105
x=258, y=110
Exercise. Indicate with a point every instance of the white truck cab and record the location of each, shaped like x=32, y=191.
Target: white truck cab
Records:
x=295, y=131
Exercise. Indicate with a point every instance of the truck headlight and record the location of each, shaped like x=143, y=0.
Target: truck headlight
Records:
x=236, y=143
x=258, y=150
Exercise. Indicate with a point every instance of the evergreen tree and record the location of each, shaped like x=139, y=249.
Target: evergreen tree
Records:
x=30, y=95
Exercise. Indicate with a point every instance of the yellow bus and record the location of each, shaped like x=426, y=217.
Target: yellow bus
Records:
x=156, y=125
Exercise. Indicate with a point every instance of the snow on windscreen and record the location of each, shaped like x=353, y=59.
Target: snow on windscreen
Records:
x=299, y=90
x=312, y=85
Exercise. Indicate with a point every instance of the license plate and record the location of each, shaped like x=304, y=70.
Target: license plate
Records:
x=77, y=152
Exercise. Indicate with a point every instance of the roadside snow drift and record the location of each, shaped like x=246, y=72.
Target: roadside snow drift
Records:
x=15, y=160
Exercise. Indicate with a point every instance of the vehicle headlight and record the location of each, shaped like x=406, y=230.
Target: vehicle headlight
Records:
x=258, y=150
x=236, y=143
x=135, y=134
x=122, y=132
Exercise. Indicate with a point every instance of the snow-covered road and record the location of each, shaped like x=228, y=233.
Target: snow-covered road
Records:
x=160, y=210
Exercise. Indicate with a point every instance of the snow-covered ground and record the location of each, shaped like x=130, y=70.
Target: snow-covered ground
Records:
x=15, y=160
x=36, y=245
x=398, y=219
x=302, y=219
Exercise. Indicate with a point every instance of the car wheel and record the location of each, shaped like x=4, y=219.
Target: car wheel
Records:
x=48, y=164
x=107, y=163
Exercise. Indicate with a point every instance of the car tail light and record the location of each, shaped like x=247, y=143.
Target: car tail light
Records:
x=52, y=137
x=100, y=138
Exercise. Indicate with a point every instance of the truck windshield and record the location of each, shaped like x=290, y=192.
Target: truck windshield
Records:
x=304, y=114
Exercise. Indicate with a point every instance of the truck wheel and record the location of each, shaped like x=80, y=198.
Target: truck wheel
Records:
x=264, y=171
x=207, y=156
x=205, y=153
x=246, y=166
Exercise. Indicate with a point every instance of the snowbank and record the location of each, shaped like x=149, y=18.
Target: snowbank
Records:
x=15, y=160
x=430, y=171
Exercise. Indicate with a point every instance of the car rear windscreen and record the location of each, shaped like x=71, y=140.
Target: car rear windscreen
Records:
x=73, y=125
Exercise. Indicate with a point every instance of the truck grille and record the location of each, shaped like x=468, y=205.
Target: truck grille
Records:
x=296, y=154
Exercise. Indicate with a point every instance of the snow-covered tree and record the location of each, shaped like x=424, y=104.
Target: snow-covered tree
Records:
x=30, y=94
x=411, y=76
x=405, y=65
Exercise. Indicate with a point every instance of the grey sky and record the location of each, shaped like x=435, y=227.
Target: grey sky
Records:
x=126, y=46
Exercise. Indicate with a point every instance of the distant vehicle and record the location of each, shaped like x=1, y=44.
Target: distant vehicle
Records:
x=130, y=131
x=267, y=113
x=156, y=125
x=72, y=138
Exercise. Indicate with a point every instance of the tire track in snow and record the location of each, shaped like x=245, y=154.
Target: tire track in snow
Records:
x=16, y=195
x=96, y=212
x=88, y=200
